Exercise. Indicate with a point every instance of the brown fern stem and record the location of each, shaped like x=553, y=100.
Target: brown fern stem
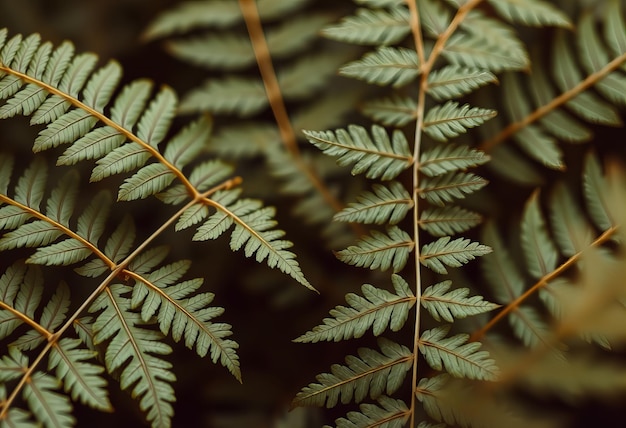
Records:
x=478, y=335
x=426, y=67
x=116, y=271
x=277, y=103
x=554, y=104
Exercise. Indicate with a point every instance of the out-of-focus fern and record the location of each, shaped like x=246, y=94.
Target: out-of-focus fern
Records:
x=137, y=302
x=282, y=45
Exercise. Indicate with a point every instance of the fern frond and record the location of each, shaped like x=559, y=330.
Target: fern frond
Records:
x=529, y=326
x=135, y=350
x=380, y=158
x=393, y=111
x=386, y=204
x=451, y=120
x=454, y=81
x=232, y=95
x=571, y=230
x=377, y=309
x=254, y=232
x=454, y=253
x=448, y=305
x=371, y=27
x=447, y=158
x=540, y=252
x=394, y=66
x=389, y=413
x=371, y=373
x=448, y=187
x=185, y=314
x=80, y=378
x=448, y=220
x=596, y=194
x=460, y=359
x=380, y=250
x=48, y=406
x=501, y=272
x=21, y=288
x=537, y=13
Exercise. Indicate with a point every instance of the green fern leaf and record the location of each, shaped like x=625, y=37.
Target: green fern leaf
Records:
x=63, y=253
x=191, y=15
x=539, y=251
x=19, y=418
x=81, y=378
x=48, y=406
x=594, y=56
x=134, y=350
x=596, y=195
x=203, y=176
x=459, y=358
x=530, y=138
x=94, y=144
x=486, y=44
x=296, y=80
x=156, y=120
x=537, y=13
x=571, y=231
x=123, y=159
x=474, y=52
x=501, y=272
x=371, y=373
x=92, y=221
x=385, y=66
x=149, y=180
x=445, y=305
x=566, y=75
x=615, y=27
x=528, y=325
x=393, y=111
x=295, y=34
x=12, y=365
x=389, y=413
x=71, y=82
x=434, y=16
x=147, y=260
x=371, y=27
x=21, y=288
x=6, y=168
x=232, y=95
x=253, y=232
x=447, y=158
x=380, y=158
x=32, y=184
x=377, y=309
x=450, y=253
x=448, y=220
x=130, y=103
x=66, y=129
x=223, y=51
x=32, y=96
x=454, y=81
x=446, y=188
x=120, y=243
x=380, y=250
x=244, y=140
x=185, y=315
x=35, y=234
x=385, y=205
x=188, y=143
x=451, y=120
x=557, y=122
x=193, y=215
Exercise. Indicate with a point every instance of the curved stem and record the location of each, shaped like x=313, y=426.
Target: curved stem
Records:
x=116, y=270
x=277, y=104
